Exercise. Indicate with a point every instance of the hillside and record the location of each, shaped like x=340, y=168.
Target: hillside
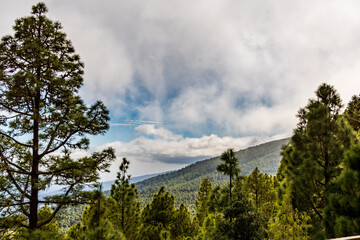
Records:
x=184, y=183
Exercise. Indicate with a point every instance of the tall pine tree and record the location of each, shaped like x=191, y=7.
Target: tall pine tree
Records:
x=229, y=166
x=42, y=120
x=314, y=154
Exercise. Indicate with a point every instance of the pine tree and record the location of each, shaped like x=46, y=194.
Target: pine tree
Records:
x=289, y=223
x=254, y=185
x=314, y=154
x=261, y=188
x=158, y=216
x=43, y=119
x=352, y=113
x=182, y=226
x=202, y=208
x=96, y=221
x=126, y=206
x=240, y=219
x=230, y=166
x=342, y=214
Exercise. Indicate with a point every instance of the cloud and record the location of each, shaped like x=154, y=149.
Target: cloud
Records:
x=149, y=129
x=134, y=123
x=207, y=69
x=213, y=65
x=210, y=66
x=157, y=149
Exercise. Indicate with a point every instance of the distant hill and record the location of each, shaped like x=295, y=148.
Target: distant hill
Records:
x=106, y=186
x=184, y=183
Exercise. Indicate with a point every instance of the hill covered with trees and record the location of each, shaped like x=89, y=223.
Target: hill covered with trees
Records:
x=184, y=183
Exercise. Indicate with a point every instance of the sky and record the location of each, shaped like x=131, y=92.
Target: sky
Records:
x=185, y=80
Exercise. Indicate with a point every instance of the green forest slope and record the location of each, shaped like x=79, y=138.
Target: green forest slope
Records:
x=184, y=183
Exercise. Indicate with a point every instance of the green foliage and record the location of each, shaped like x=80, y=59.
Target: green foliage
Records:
x=240, y=219
x=352, y=113
x=95, y=222
x=25, y=234
x=160, y=219
x=75, y=232
x=182, y=226
x=342, y=214
x=126, y=208
x=202, y=208
x=48, y=231
x=44, y=214
x=160, y=212
x=288, y=223
x=158, y=215
x=314, y=155
x=43, y=119
x=69, y=216
x=209, y=227
x=262, y=190
x=229, y=166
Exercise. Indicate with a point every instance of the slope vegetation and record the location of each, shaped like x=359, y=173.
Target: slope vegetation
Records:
x=184, y=183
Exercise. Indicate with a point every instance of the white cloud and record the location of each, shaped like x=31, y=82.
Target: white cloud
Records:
x=149, y=129
x=168, y=151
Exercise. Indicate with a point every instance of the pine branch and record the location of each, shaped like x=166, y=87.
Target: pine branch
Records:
x=16, y=141
x=57, y=147
x=15, y=111
x=17, y=185
x=60, y=205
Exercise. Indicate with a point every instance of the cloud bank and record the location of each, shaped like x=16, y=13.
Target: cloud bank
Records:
x=233, y=68
x=159, y=149
x=208, y=73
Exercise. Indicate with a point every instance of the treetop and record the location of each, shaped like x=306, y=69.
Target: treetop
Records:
x=39, y=9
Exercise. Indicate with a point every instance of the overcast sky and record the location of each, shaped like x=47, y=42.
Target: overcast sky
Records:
x=185, y=80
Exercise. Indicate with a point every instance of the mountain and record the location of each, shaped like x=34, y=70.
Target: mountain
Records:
x=106, y=186
x=184, y=183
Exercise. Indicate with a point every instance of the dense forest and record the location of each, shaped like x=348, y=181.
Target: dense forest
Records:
x=314, y=194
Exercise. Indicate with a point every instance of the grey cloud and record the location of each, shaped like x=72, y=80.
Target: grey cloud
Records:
x=193, y=63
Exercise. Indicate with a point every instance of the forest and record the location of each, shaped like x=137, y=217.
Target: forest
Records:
x=314, y=194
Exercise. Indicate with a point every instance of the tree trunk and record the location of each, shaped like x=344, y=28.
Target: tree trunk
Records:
x=34, y=198
x=230, y=187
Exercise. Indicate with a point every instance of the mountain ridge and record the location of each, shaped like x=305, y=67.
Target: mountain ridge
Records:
x=185, y=182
